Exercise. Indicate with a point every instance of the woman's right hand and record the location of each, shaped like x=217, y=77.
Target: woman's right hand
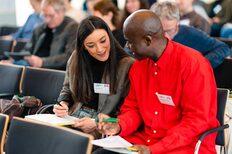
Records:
x=61, y=109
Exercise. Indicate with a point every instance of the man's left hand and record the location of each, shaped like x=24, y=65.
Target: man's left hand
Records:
x=34, y=61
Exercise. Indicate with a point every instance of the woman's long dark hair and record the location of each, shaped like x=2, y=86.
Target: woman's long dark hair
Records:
x=80, y=63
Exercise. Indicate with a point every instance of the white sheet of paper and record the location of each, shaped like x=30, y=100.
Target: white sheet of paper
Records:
x=52, y=119
x=112, y=142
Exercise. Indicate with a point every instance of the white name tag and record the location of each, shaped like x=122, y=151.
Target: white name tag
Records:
x=165, y=99
x=101, y=88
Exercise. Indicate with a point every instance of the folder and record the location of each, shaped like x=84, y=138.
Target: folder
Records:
x=52, y=119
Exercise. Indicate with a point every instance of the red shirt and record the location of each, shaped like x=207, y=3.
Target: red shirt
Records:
x=186, y=76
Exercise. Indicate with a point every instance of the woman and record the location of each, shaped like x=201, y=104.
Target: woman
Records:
x=97, y=76
x=106, y=10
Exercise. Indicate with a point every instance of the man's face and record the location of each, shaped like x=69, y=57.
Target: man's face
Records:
x=52, y=17
x=170, y=27
x=136, y=43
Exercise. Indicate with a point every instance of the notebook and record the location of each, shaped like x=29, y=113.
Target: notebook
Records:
x=52, y=119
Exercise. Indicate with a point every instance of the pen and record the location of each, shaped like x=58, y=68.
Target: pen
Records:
x=58, y=103
x=113, y=120
x=132, y=149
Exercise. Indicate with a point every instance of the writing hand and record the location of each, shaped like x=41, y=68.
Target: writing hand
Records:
x=61, y=109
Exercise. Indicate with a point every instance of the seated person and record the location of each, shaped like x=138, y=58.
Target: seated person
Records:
x=190, y=18
x=172, y=98
x=214, y=50
x=96, y=76
x=53, y=42
x=33, y=21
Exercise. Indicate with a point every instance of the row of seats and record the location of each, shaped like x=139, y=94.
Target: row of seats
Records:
x=40, y=138
x=10, y=46
x=6, y=30
x=44, y=84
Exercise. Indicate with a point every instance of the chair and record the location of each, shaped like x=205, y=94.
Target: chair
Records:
x=4, y=120
x=6, y=30
x=5, y=45
x=10, y=80
x=223, y=74
x=44, y=84
x=19, y=45
x=226, y=41
x=222, y=96
x=29, y=137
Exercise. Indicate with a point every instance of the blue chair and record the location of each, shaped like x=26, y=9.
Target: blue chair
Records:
x=222, y=96
x=30, y=137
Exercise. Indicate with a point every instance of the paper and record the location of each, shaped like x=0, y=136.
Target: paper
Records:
x=52, y=119
x=112, y=142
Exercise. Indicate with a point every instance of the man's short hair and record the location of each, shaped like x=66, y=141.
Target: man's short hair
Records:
x=58, y=5
x=167, y=10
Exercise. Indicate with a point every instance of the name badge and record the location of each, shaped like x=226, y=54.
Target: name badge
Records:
x=101, y=88
x=165, y=99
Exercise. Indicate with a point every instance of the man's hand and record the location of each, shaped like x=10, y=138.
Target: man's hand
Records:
x=34, y=61
x=107, y=128
x=142, y=149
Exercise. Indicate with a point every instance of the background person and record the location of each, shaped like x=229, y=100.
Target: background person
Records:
x=53, y=42
x=214, y=50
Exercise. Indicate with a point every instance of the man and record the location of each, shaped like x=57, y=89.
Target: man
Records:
x=172, y=98
x=52, y=43
x=214, y=50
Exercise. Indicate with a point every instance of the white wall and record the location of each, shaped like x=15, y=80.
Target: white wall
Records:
x=7, y=12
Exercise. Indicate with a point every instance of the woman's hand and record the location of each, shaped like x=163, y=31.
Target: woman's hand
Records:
x=86, y=124
x=61, y=109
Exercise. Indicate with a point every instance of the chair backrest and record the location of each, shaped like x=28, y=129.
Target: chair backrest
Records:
x=6, y=30
x=222, y=96
x=226, y=41
x=10, y=79
x=29, y=137
x=5, y=45
x=223, y=74
x=44, y=84
x=19, y=45
x=4, y=120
